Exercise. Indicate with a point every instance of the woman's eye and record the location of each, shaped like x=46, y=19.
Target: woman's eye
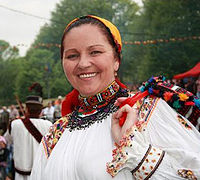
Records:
x=72, y=56
x=95, y=52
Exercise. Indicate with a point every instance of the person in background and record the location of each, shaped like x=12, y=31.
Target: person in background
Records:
x=57, y=109
x=197, y=83
x=198, y=87
x=4, y=119
x=48, y=112
x=10, y=171
x=14, y=113
x=3, y=158
x=190, y=85
x=26, y=134
x=53, y=103
x=152, y=142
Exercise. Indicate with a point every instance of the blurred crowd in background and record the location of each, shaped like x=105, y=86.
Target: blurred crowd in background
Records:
x=190, y=84
x=51, y=111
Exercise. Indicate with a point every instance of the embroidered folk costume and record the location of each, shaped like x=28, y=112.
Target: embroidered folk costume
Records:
x=162, y=144
x=26, y=135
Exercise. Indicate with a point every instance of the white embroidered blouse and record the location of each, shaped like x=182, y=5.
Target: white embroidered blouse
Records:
x=165, y=146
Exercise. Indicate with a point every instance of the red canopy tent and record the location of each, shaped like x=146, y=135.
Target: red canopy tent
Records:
x=194, y=72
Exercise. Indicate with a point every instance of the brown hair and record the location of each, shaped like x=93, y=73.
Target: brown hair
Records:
x=34, y=110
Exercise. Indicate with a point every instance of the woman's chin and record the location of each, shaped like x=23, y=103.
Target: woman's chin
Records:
x=88, y=91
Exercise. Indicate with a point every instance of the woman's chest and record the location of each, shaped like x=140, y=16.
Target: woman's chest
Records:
x=82, y=154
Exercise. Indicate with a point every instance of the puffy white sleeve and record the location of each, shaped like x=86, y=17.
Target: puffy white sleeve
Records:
x=39, y=164
x=165, y=145
x=45, y=148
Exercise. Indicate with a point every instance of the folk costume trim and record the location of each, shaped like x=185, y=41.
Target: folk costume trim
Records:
x=96, y=108
x=81, y=119
x=178, y=98
x=187, y=174
x=146, y=106
x=149, y=164
x=121, y=155
x=25, y=173
x=50, y=140
x=90, y=104
x=183, y=122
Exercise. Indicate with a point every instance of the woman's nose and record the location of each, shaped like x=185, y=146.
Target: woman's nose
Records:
x=84, y=61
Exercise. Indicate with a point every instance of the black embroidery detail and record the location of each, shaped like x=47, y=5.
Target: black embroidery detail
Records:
x=77, y=122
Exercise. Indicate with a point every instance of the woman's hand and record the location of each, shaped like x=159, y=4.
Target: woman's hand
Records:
x=131, y=119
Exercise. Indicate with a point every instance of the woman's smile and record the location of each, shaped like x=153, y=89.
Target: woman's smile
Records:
x=87, y=75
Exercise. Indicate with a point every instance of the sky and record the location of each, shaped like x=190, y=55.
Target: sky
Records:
x=19, y=29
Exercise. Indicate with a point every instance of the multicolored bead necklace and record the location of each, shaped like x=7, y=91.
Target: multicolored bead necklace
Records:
x=96, y=108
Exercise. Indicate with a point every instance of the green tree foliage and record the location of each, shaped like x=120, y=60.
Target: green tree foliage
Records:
x=7, y=51
x=8, y=72
x=164, y=20
x=120, y=12
x=157, y=19
x=38, y=67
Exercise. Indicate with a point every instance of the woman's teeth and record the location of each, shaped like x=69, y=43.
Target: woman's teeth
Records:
x=87, y=75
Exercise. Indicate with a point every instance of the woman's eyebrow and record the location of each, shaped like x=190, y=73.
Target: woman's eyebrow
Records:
x=72, y=49
x=101, y=45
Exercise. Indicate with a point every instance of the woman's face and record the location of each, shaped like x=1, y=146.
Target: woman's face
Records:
x=88, y=59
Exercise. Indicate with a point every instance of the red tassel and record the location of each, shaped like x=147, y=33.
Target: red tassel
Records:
x=190, y=103
x=70, y=102
x=120, y=84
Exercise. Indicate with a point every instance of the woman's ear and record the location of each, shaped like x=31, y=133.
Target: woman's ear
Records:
x=116, y=65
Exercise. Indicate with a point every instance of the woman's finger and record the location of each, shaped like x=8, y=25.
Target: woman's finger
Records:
x=131, y=117
x=115, y=118
x=120, y=100
x=126, y=108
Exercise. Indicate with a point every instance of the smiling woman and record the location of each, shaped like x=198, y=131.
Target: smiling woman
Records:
x=153, y=142
x=90, y=65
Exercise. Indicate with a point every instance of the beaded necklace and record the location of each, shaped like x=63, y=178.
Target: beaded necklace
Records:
x=96, y=108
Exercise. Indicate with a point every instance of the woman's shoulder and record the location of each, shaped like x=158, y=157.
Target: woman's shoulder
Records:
x=52, y=137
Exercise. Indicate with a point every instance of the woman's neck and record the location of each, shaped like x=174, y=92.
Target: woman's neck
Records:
x=101, y=96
